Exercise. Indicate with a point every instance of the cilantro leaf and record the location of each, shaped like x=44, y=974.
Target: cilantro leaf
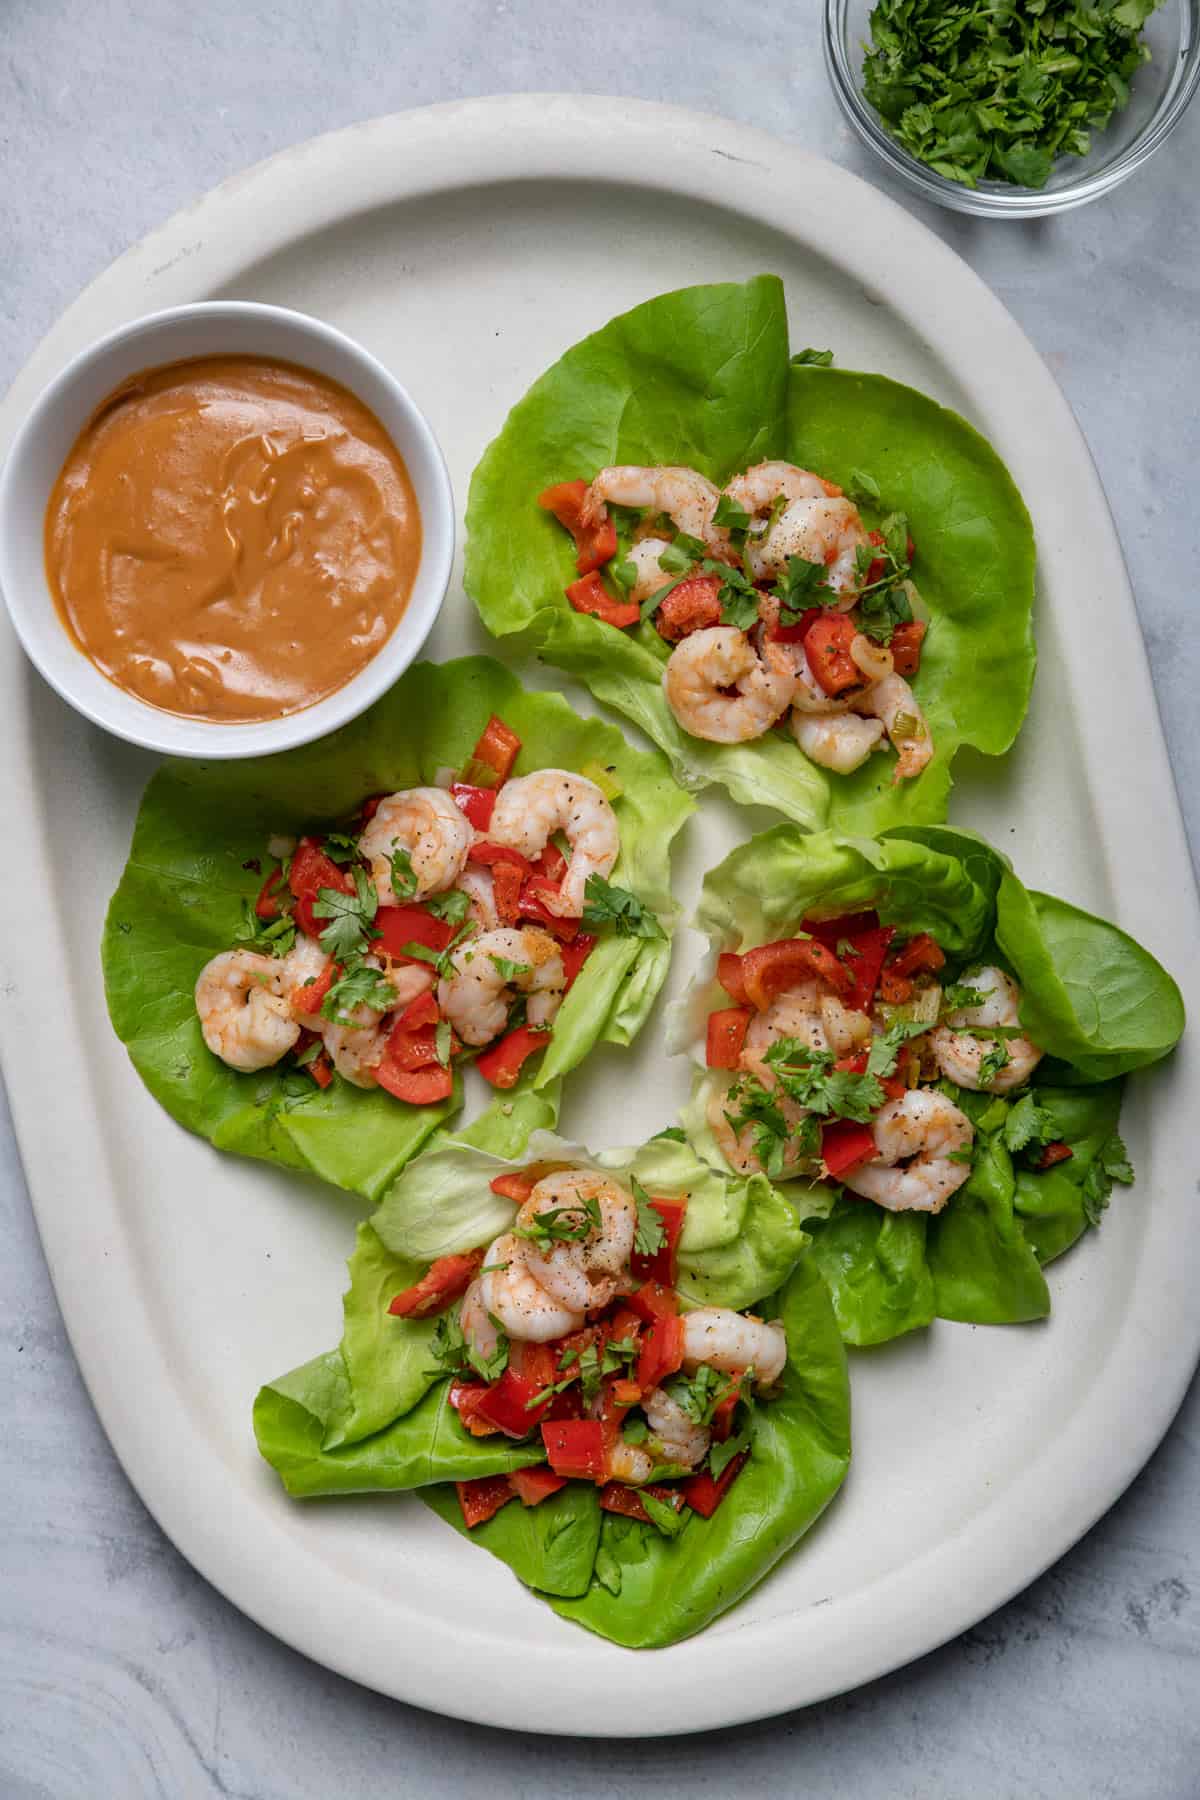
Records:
x=453, y=906
x=1027, y=1123
x=801, y=585
x=361, y=985
x=671, y=1133
x=885, y=1049
x=273, y=937
x=606, y=904
x=345, y=936
x=651, y=1233
x=453, y=1355
x=404, y=880
x=1110, y=1164
x=721, y=1455
x=624, y=574
x=508, y=970
x=339, y=848
x=729, y=515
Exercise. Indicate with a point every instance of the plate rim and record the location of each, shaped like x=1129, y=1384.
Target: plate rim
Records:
x=796, y=1658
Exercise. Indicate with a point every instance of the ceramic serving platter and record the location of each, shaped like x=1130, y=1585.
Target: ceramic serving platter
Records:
x=467, y=246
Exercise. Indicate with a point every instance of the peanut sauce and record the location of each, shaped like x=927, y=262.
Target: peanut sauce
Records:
x=232, y=538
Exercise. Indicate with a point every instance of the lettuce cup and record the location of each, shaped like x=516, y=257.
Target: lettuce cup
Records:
x=927, y=1056
x=808, y=585
x=306, y=953
x=620, y=1374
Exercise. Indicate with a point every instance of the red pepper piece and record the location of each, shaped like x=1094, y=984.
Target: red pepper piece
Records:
x=796, y=634
x=654, y=1300
x=503, y=1061
x=310, y=871
x=693, y=605
x=417, y=1087
x=482, y=1499
x=578, y=1448
x=533, y=906
x=551, y=863
x=845, y=1146
x=498, y=748
x=659, y=1265
x=827, y=649
x=409, y=1050
x=722, y=1419
x=532, y=1486
x=726, y=1035
x=507, y=883
x=493, y=854
x=424, y=1010
x=446, y=1279
x=306, y=999
x=919, y=954
x=465, y=1397
x=396, y=926
x=507, y=1404
x=589, y=595
x=704, y=1495
x=595, y=540
x=516, y=1187
x=1057, y=1152
x=907, y=642
x=615, y=1497
x=269, y=905
x=475, y=803
x=661, y=1353
x=893, y=1085
x=868, y=940
x=574, y=955
x=770, y=969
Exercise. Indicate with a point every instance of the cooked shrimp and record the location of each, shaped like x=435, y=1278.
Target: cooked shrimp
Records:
x=841, y=742
x=959, y=1055
x=304, y=962
x=531, y=809
x=700, y=670
x=426, y=823
x=922, y=1130
x=818, y=524
x=737, y=1144
x=511, y=1294
x=811, y=1013
x=356, y=1042
x=476, y=997
x=477, y=885
x=731, y=1342
x=893, y=701
x=651, y=575
x=756, y=490
x=679, y=1438
x=687, y=498
x=626, y=1463
x=477, y=1328
x=810, y=696
x=592, y=1269
x=245, y=1013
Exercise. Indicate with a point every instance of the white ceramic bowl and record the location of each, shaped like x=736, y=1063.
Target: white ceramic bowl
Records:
x=212, y=328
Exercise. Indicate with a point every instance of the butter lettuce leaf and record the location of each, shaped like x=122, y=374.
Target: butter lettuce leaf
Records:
x=701, y=377
x=197, y=858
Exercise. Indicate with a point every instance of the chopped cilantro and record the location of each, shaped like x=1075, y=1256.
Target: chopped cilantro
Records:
x=453, y=1355
x=808, y=1077
x=452, y=906
x=361, y=985
x=339, y=848
x=443, y=1039
x=729, y=516
x=1110, y=1164
x=624, y=574
x=721, y=1455
x=274, y=937
x=885, y=1050
x=651, y=1233
x=508, y=970
x=562, y=1224
x=801, y=586
x=345, y=936
x=960, y=997
x=404, y=880
x=1027, y=1123
x=671, y=1133
x=664, y=1517
x=606, y=904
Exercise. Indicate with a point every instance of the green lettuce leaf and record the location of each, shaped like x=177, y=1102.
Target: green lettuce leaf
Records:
x=196, y=859
x=1098, y=1004
x=701, y=377
x=551, y=1547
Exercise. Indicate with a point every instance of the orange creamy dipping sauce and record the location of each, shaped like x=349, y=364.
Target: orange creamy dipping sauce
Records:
x=232, y=538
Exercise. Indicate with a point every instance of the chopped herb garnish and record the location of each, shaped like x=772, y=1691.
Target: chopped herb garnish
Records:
x=508, y=970
x=562, y=1224
x=404, y=880
x=651, y=1233
x=729, y=516
x=801, y=585
x=605, y=904
x=274, y=937
x=452, y=906
x=671, y=1133
x=721, y=1455
x=960, y=997
x=443, y=1040
x=361, y=985
x=994, y=1059
x=339, y=848
x=454, y=1355
x=664, y=1517
x=1027, y=1123
x=624, y=574
x=808, y=1077
x=1111, y=1164
x=885, y=1049
x=349, y=915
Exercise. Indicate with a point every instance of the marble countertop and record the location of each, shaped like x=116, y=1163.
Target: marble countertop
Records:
x=122, y=1673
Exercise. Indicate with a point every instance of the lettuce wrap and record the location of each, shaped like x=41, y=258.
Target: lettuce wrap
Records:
x=195, y=867
x=373, y=1415
x=1097, y=1003
x=702, y=377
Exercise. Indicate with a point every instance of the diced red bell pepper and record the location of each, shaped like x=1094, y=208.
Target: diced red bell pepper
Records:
x=726, y=1036
x=320, y=1068
x=868, y=940
x=771, y=969
x=396, y=926
x=729, y=974
x=492, y=854
x=310, y=871
x=1057, y=1152
x=534, y=895
x=796, y=634
x=551, y=863
x=693, y=605
x=574, y=955
x=475, y=803
x=827, y=650
x=615, y=1497
x=417, y=1087
x=920, y=954
x=832, y=932
x=595, y=540
x=893, y=1085
x=408, y=1050
x=516, y=1187
x=625, y=1393
x=465, y=1397
x=661, y=1353
x=907, y=642
x=269, y=905
x=654, y=1300
x=845, y=1146
x=507, y=1403
x=482, y=1499
x=579, y=1448
x=498, y=748
x=589, y=595
x=307, y=998
x=446, y=1279
x=704, y=1495
x=723, y=1411
x=502, y=1062
x=659, y=1265
x=532, y=1486
x=507, y=882
x=424, y=1010
x=877, y=567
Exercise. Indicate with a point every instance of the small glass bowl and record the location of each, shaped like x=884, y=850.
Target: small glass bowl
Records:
x=1160, y=95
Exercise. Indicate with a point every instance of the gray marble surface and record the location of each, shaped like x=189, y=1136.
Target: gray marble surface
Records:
x=121, y=1672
